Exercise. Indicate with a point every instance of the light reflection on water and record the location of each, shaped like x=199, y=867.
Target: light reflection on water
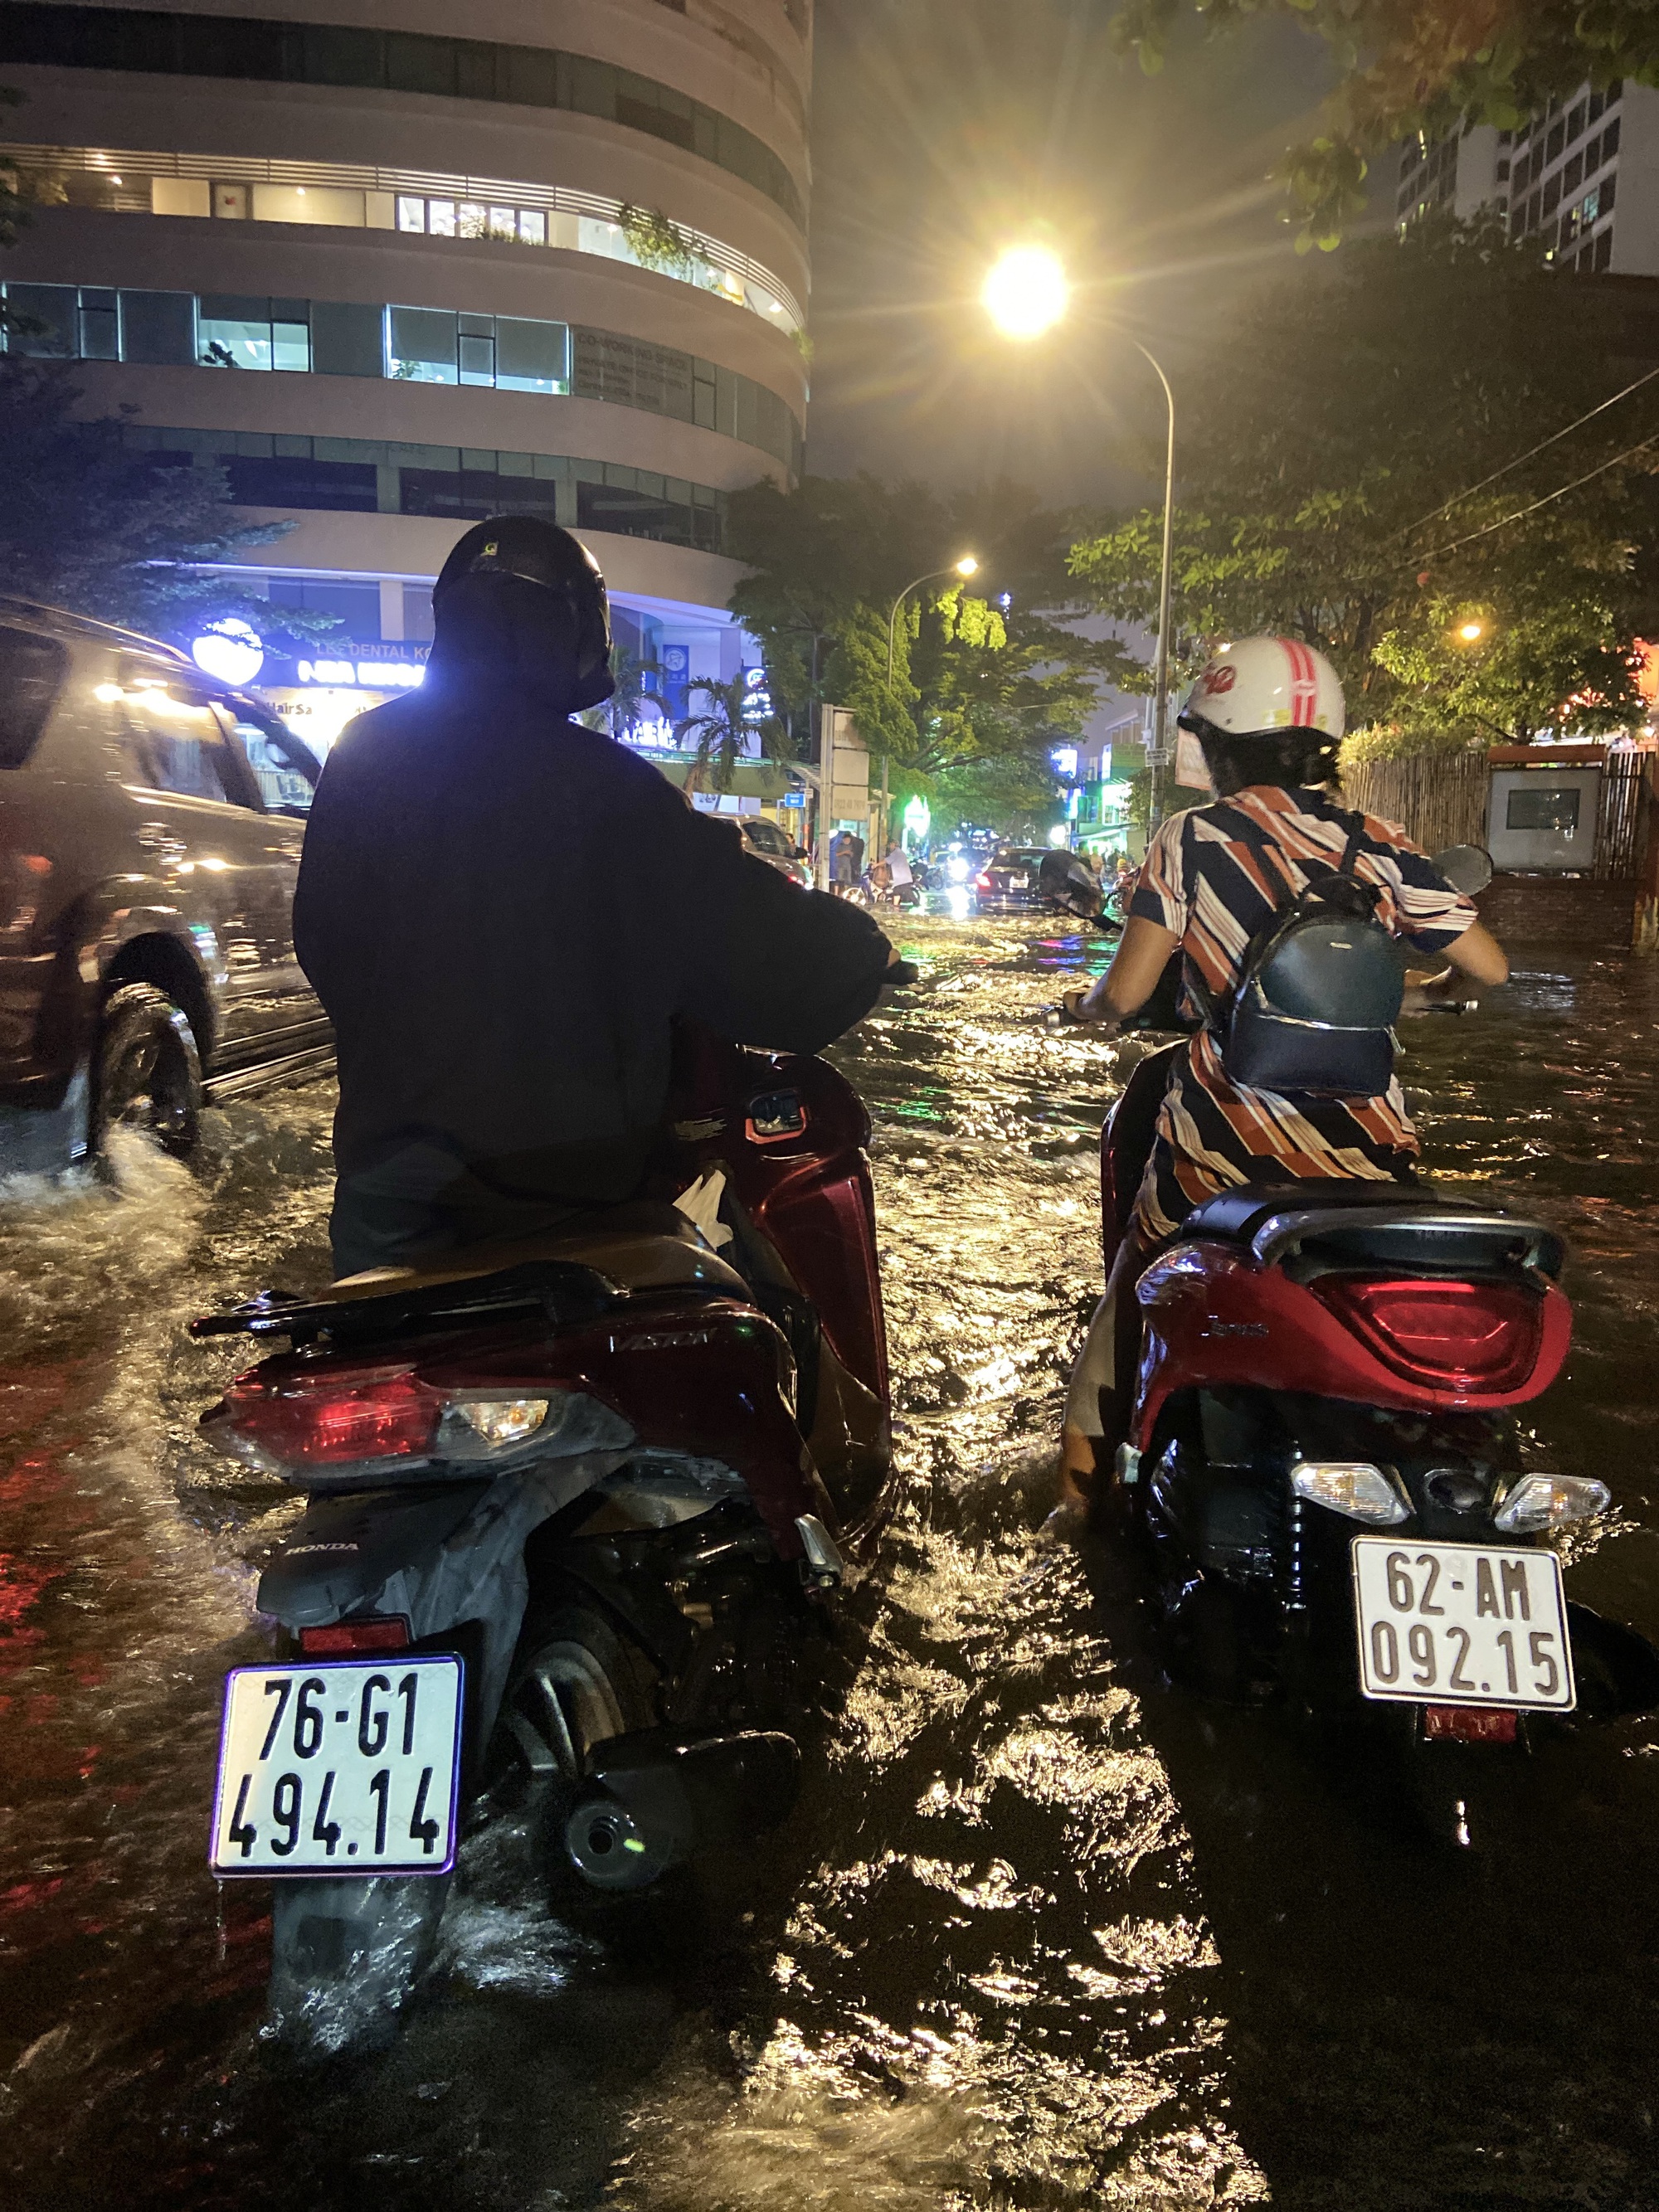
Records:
x=1040, y=1934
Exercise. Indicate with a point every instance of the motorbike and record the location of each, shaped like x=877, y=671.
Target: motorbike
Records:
x=1325, y=1472
x=577, y=1514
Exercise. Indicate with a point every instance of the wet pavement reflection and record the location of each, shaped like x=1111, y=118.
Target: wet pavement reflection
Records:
x=1044, y=1932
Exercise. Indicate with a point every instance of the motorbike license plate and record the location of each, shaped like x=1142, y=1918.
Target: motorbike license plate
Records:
x=345, y=1766
x=1459, y=1624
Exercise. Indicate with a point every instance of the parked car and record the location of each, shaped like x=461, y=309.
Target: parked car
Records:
x=764, y=837
x=150, y=827
x=1009, y=878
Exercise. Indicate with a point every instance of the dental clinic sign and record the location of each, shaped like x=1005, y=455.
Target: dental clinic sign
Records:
x=379, y=667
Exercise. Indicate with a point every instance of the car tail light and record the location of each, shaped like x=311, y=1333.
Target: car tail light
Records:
x=1468, y=1723
x=386, y=1633
x=338, y=1414
x=983, y=883
x=1459, y=1336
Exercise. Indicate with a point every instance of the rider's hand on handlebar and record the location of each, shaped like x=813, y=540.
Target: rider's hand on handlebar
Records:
x=1076, y=1005
x=1444, y=992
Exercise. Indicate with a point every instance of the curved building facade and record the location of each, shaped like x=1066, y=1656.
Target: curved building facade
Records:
x=393, y=280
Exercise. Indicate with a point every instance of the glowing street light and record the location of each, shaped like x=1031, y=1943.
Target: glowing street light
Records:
x=1471, y=632
x=968, y=565
x=1025, y=293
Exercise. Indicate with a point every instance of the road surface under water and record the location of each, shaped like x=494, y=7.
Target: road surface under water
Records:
x=1044, y=1932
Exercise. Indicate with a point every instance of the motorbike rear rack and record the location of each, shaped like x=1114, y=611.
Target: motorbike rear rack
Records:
x=561, y=1291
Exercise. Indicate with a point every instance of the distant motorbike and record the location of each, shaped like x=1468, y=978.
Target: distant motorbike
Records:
x=577, y=1511
x=1324, y=1467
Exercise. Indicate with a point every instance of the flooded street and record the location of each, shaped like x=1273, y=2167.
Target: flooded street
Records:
x=1042, y=1932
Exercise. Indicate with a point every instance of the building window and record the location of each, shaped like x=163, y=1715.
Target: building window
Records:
x=233, y=332
x=89, y=177
x=1554, y=142
x=420, y=345
x=1604, y=249
x=154, y=42
x=363, y=474
x=1572, y=176
x=1575, y=122
x=432, y=345
x=1610, y=140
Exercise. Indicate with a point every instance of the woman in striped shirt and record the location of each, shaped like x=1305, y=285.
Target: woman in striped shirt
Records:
x=1268, y=713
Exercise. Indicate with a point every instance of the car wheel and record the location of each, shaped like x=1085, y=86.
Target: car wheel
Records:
x=149, y=1072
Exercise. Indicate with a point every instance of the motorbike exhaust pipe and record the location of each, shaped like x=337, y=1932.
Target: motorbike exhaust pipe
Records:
x=650, y=1803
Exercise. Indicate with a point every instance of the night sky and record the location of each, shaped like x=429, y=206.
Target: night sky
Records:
x=943, y=128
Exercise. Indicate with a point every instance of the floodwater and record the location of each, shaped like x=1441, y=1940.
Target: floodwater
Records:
x=1043, y=1933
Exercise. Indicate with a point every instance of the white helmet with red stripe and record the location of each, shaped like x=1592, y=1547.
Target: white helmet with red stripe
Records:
x=1266, y=687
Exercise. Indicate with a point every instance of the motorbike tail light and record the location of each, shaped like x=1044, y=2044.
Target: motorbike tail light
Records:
x=1468, y=1723
x=1454, y=1336
x=1353, y=1487
x=1537, y=1501
x=387, y=1632
x=339, y=1414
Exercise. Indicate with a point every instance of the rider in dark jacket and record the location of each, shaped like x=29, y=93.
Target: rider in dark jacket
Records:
x=503, y=912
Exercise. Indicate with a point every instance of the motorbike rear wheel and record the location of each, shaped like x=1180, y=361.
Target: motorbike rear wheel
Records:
x=577, y=1683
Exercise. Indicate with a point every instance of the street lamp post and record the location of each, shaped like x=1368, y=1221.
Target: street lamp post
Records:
x=964, y=568
x=1026, y=294
x=1161, y=666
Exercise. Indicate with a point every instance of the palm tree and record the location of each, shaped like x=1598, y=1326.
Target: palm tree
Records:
x=721, y=732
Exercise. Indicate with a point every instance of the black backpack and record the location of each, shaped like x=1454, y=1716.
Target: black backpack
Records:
x=1321, y=985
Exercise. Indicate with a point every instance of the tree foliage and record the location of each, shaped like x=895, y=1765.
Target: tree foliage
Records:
x=727, y=732
x=1409, y=65
x=1331, y=482
x=88, y=524
x=971, y=681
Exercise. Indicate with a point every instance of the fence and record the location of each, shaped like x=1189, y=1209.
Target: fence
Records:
x=1619, y=820
x=1440, y=797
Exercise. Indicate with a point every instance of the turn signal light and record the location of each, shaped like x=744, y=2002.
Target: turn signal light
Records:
x=502, y=1420
x=1550, y=1501
x=1363, y=1493
x=1458, y=1336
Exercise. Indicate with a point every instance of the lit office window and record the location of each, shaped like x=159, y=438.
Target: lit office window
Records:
x=411, y=213
x=233, y=332
x=533, y=226
x=421, y=345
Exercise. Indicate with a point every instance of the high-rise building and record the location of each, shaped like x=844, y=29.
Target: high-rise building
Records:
x=394, y=278
x=1583, y=179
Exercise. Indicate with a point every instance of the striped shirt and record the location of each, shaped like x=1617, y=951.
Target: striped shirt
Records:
x=1210, y=887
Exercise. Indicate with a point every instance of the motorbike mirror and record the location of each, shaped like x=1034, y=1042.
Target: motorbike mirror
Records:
x=1070, y=882
x=1466, y=868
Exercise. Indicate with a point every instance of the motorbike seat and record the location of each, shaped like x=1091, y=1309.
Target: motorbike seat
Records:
x=1311, y=1227
x=643, y=1245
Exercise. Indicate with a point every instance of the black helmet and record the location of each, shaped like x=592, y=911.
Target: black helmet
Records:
x=528, y=549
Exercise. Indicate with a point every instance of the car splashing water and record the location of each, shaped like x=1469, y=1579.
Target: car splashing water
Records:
x=1043, y=1933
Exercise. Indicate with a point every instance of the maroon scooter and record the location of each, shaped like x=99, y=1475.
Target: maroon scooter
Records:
x=1324, y=1462
x=577, y=1509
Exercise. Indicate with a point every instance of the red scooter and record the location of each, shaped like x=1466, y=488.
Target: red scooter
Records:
x=1324, y=1464
x=576, y=1510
